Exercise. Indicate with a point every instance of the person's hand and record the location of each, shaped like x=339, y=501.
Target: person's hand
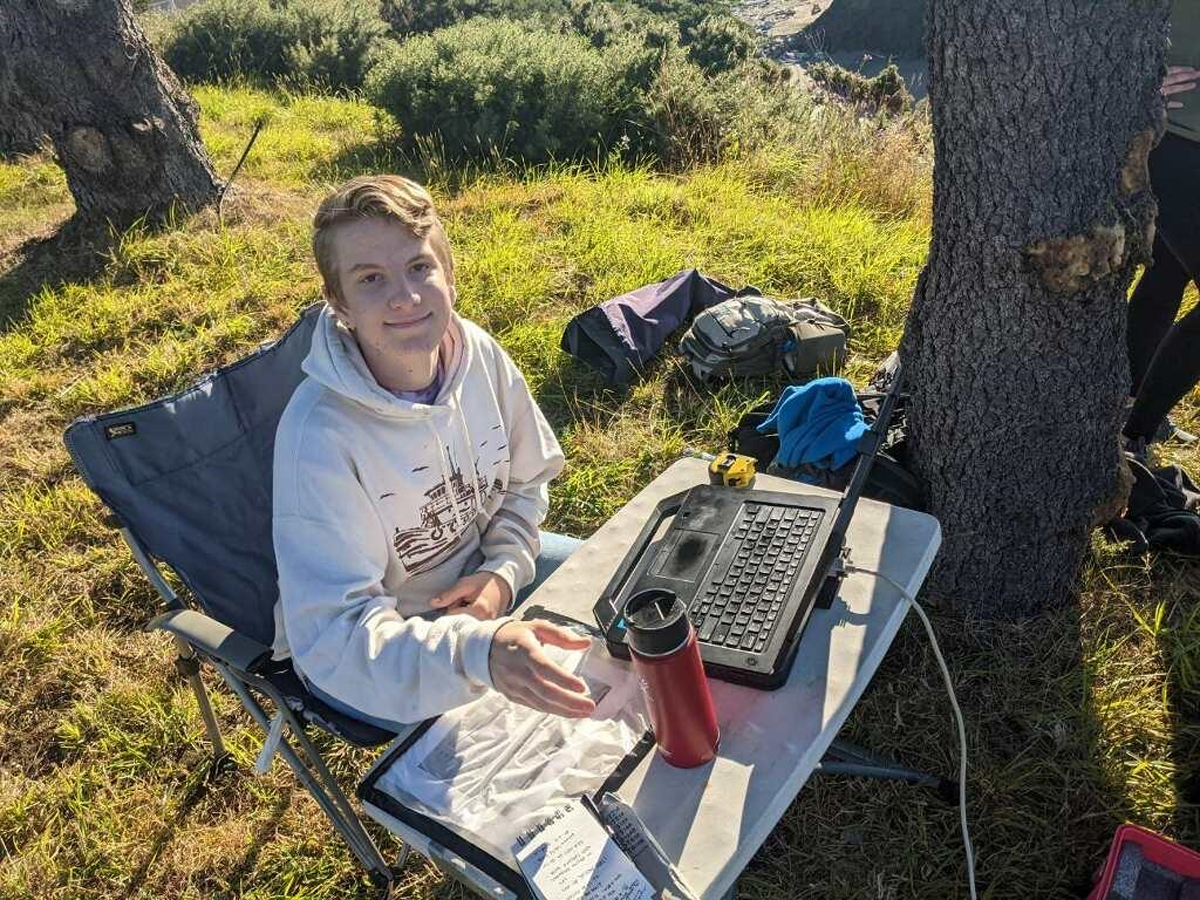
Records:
x=484, y=595
x=1179, y=79
x=524, y=673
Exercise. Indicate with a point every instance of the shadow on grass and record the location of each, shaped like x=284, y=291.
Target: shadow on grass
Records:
x=707, y=413
x=383, y=154
x=208, y=776
x=369, y=158
x=1181, y=650
x=1041, y=807
x=263, y=835
x=76, y=252
x=428, y=164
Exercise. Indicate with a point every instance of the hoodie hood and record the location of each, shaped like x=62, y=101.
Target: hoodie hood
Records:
x=336, y=362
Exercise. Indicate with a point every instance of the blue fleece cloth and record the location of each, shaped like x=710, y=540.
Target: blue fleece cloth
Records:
x=819, y=423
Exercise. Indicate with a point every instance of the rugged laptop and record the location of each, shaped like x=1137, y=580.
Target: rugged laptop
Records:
x=749, y=564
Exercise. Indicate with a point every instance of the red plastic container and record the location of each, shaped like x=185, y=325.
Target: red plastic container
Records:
x=1156, y=848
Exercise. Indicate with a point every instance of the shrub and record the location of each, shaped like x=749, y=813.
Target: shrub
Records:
x=696, y=119
x=886, y=92
x=491, y=86
x=319, y=42
x=334, y=43
x=720, y=43
x=717, y=40
x=609, y=22
x=221, y=38
x=409, y=17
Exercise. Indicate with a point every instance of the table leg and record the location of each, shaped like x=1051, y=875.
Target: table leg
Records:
x=844, y=758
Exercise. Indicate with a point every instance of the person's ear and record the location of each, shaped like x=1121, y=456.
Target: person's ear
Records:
x=338, y=312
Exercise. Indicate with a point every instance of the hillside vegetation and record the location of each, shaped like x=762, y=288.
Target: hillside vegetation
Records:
x=1077, y=721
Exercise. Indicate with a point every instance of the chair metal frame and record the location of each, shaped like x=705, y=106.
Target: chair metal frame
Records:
x=303, y=759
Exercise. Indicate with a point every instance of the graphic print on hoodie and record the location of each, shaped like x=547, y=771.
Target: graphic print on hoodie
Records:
x=381, y=503
x=450, y=506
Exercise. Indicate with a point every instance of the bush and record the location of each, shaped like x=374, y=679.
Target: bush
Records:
x=491, y=86
x=221, y=38
x=410, y=17
x=716, y=39
x=886, y=92
x=609, y=22
x=721, y=43
x=696, y=120
x=335, y=43
x=329, y=43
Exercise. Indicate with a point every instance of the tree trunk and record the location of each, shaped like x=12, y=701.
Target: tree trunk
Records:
x=1044, y=115
x=82, y=73
x=16, y=137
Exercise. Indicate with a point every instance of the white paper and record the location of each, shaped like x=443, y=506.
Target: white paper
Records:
x=493, y=770
x=573, y=858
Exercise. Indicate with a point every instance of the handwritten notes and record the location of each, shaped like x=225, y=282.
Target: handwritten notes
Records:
x=572, y=857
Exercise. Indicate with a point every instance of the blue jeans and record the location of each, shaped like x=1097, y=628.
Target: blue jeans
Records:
x=555, y=550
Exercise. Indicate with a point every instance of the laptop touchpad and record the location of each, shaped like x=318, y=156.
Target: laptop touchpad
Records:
x=684, y=555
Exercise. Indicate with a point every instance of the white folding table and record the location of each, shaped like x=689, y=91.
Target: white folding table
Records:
x=712, y=819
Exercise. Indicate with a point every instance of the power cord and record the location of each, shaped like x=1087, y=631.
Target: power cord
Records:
x=962, y=731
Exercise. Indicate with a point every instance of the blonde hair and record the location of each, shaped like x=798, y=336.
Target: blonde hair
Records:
x=376, y=196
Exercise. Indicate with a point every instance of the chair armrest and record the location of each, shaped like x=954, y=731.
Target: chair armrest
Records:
x=212, y=638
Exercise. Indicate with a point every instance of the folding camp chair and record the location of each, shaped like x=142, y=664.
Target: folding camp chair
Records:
x=187, y=480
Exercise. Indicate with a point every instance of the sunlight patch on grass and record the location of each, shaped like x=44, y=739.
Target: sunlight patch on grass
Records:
x=303, y=134
x=31, y=182
x=33, y=195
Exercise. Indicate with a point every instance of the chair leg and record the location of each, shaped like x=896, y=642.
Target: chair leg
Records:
x=189, y=666
x=320, y=783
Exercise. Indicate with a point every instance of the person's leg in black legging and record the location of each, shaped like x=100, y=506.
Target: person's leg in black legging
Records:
x=1174, y=368
x=1173, y=373
x=1152, y=309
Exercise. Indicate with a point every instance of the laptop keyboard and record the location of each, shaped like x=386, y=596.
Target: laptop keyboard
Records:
x=741, y=609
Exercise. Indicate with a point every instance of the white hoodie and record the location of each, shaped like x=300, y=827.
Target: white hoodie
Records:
x=381, y=503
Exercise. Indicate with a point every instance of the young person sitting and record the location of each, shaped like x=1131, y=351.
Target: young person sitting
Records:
x=410, y=479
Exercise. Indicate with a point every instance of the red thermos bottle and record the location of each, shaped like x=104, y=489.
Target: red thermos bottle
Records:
x=663, y=645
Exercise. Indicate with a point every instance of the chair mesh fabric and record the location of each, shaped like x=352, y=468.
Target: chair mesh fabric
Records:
x=190, y=476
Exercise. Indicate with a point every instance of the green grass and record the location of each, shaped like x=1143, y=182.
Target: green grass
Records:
x=1078, y=720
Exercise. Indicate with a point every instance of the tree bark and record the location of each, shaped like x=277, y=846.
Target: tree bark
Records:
x=16, y=136
x=1044, y=115
x=124, y=130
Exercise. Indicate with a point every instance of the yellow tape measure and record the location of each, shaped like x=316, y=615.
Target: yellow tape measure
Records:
x=732, y=470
